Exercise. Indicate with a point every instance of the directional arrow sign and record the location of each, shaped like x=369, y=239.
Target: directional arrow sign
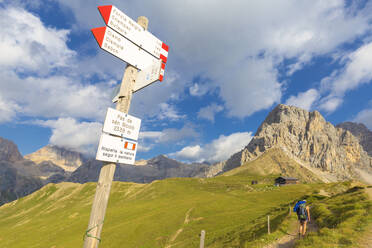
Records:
x=116, y=149
x=149, y=75
x=123, y=24
x=117, y=45
x=121, y=124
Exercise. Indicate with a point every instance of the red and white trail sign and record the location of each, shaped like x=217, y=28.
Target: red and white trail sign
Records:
x=123, y=24
x=149, y=75
x=117, y=45
x=116, y=149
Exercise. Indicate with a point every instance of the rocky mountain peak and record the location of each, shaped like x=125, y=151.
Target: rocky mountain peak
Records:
x=308, y=138
x=9, y=151
x=64, y=158
x=287, y=114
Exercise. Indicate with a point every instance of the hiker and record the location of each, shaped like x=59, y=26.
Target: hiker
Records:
x=303, y=214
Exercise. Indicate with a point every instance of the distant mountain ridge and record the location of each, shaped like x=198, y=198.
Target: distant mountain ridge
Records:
x=20, y=176
x=66, y=159
x=157, y=168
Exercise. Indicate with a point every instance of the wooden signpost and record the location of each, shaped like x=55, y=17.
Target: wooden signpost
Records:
x=114, y=147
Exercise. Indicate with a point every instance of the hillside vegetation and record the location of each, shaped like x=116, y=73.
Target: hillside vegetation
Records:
x=160, y=214
x=272, y=163
x=172, y=212
x=166, y=213
x=341, y=219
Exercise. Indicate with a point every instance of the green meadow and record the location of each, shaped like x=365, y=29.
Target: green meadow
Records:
x=342, y=219
x=172, y=213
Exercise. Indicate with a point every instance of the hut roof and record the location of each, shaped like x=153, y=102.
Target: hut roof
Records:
x=288, y=178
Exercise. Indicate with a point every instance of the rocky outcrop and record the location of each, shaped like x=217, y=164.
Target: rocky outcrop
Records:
x=68, y=160
x=17, y=175
x=308, y=138
x=13, y=185
x=361, y=132
x=9, y=151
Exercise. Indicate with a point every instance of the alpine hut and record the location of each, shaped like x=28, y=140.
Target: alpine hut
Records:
x=285, y=180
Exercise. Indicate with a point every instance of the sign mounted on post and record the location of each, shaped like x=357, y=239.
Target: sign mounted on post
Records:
x=149, y=75
x=117, y=45
x=132, y=43
x=123, y=24
x=115, y=149
x=121, y=124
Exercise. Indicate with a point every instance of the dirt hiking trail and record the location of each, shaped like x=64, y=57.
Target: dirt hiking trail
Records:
x=366, y=240
x=288, y=240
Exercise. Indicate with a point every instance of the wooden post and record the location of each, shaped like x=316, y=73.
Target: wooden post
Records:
x=268, y=224
x=93, y=233
x=202, y=237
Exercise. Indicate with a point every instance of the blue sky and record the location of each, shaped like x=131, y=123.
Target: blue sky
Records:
x=230, y=63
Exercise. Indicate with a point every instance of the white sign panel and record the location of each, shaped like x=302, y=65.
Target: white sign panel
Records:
x=123, y=24
x=149, y=75
x=117, y=150
x=117, y=45
x=121, y=124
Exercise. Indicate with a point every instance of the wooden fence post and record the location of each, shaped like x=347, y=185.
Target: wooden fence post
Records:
x=202, y=237
x=268, y=224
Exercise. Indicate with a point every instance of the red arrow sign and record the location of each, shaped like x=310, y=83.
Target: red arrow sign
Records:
x=123, y=24
x=117, y=45
x=99, y=33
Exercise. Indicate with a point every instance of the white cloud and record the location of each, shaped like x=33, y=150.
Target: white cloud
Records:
x=209, y=111
x=55, y=96
x=189, y=153
x=152, y=101
x=249, y=30
x=218, y=150
x=250, y=87
x=169, y=135
x=169, y=112
x=7, y=110
x=150, y=134
x=238, y=54
x=144, y=147
x=27, y=45
x=78, y=136
x=357, y=71
x=365, y=117
x=39, y=73
x=330, y=104
x=198, y=89
x=304, y=99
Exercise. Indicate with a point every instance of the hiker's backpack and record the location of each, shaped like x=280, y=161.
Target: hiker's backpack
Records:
x=301, y=211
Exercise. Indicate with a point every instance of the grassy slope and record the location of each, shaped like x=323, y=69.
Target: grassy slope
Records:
x=169, y=212
x=274, y=162
x=230, y=210
x=341, y=218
